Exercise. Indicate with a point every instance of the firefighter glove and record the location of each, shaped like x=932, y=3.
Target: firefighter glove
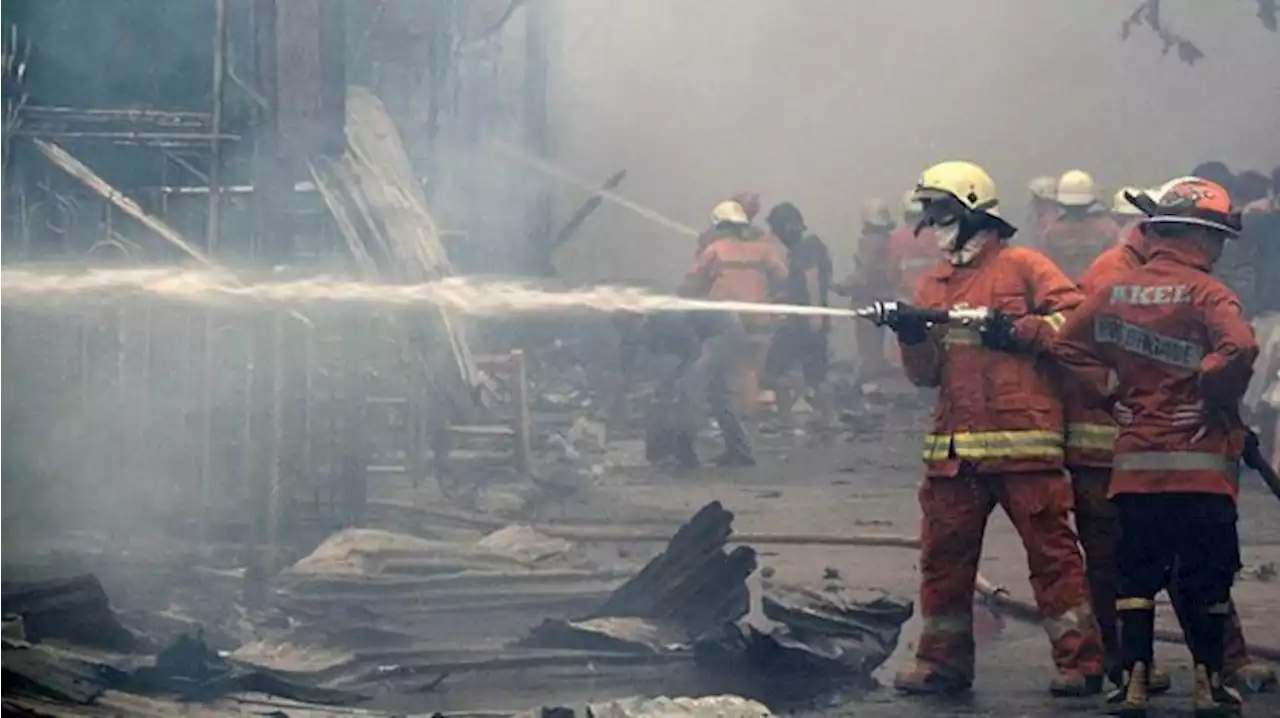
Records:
x=998, y=334
x=910, y=327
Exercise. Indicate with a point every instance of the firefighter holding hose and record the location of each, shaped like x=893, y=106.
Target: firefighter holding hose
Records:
x=997, y=434
x=1182, y=354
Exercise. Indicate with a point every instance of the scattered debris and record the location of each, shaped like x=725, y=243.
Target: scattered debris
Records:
x=662, y=707
x=690, y=589
x=74, y=609
x=33, y=670
x=815, y=645
x=190, y=669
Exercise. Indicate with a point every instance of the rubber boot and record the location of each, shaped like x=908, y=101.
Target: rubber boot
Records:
x=1212, y=697
x=924, y=679
x=1129, y=700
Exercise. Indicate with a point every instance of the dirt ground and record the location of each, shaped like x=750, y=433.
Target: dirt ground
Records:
x=867, y=484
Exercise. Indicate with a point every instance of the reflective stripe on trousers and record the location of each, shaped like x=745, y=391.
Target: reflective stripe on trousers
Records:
x=1076, y=620
x=993, y=444
x=955, y=624
x=1095, y=437
x=1177, y=461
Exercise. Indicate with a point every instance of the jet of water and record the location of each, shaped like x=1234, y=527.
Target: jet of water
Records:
x=469, y=295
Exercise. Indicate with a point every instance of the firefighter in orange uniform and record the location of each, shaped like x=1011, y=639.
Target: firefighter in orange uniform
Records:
x=1043, y=210
x=1097, y=522
x=734, y=267
x=872, y=280
x=996, y=438
x=1182, y=353
x=913, y=250
x=1083, y=227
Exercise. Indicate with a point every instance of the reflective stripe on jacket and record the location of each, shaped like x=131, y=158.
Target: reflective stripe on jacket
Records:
x=1174, y=336
x=1091, y=430
x=997, y=412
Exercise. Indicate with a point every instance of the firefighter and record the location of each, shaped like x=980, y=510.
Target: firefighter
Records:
x=735, y=266
x=750, y=203
x=913, y=250
x=1043, y=209
x=1095, y=521
x=871, y=280
x=1182, y=354
x=1083, y=227
x=996, y=437
x=801, y=341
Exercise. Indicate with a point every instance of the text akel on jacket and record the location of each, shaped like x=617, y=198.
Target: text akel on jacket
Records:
x=1174, y=336
x=997, y=412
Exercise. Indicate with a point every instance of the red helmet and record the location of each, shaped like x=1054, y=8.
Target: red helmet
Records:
x=750, y=202
x=1195, y=201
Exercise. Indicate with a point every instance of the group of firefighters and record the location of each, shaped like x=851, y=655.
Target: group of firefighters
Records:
x=1104, y=381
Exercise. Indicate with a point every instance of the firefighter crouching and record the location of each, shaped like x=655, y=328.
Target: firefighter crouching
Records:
x=996, y=437
x=1182, y=353
x=733, y=267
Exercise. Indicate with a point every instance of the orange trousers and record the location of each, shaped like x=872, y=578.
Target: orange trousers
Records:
x=955, y=512
x=1099, y=528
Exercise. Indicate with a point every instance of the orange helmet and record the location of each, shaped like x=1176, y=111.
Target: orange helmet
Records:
x=750, y=202
x=1195, y=201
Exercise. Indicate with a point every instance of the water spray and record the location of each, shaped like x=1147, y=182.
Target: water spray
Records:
x=475, y=296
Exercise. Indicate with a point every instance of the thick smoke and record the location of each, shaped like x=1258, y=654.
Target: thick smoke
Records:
x=827, y=102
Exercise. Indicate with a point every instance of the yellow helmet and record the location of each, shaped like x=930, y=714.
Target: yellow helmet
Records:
x=875, y=213
x=1076, y=189
x=1120, y=204
x=729, y=212
x=910, y=205
x=967, y=183
x=1044, y=188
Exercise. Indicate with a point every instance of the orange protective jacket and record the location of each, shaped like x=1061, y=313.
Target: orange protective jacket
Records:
x=740, y=270
x=1174, y=336
x=872, y=278
x=997, y=412
x=911, y=256
x=1074, y=242
x=1091, y=430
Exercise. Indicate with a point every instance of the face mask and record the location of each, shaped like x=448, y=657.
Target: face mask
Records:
x=947, y=237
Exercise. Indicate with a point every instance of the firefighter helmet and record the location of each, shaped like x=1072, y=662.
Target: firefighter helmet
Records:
x=966, y=183
x=729, y=212
x=1043, y=188
x=875, y=213
x=911, y=206
x=1120, y=204
x=1196, y=201
x=750, y=203
x=1076, y=189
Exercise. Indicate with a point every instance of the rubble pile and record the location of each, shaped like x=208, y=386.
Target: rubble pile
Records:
x=693, y=598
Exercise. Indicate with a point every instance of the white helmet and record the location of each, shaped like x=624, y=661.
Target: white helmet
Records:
x=1076, y=189
x=911, y=206
x=729, y=212
x=1120, y=203
x=1045, y=188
